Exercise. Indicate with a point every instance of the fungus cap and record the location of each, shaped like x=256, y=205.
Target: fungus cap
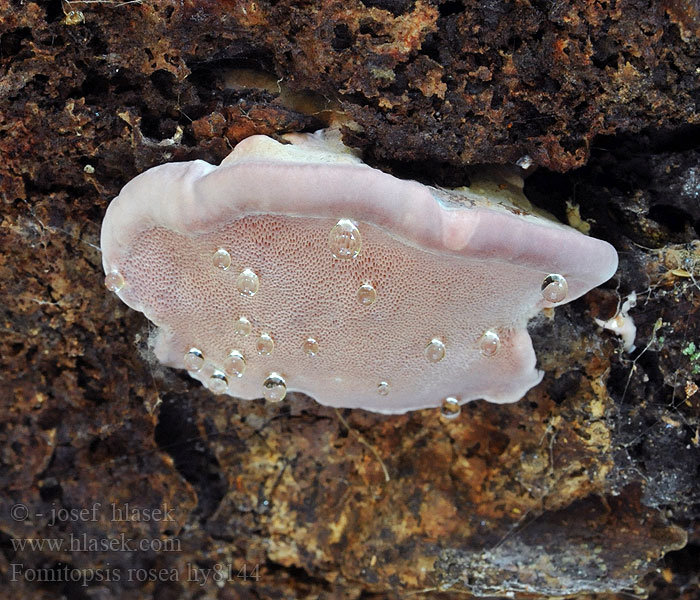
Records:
x=358, y=288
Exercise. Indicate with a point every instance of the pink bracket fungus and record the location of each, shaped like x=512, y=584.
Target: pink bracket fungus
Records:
x=297, y=267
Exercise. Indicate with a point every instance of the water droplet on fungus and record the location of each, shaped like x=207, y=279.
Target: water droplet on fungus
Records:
x=114, y=281
x=247, y=282
x=435, y=350
x=450, y=408
x=218, y=382
x=242, y=326
x=554, y=288
x=344, y=239
x=265, y=344
x=383, y=388
x=366, y=294
x=274, y=388
x=194, y=359
x=221, y=259
x=489, y=343
x=234, y=364
x=310, y=347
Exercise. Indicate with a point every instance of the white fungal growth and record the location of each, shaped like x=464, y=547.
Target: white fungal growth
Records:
x=622, y=323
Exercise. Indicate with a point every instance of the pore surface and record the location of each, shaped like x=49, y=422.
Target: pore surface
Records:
x=306, y=293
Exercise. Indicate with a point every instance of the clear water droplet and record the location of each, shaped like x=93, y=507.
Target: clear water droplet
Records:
x=554, y=288
x=264, y=344
x=383, y=388
x=218, y=382
x=435, y=350
x=234, y=364
x=489, y=343
x=221, y=259
x=247, y=282
x=366, y=294
x=450, y=408
x=274, y=388
x=194, y=359
x=344, y=239
x=310, y=346
x=114, y=281
x=524, y=162
x=242, y=326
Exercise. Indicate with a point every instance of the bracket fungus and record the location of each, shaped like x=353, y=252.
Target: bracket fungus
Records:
x=296, y=267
